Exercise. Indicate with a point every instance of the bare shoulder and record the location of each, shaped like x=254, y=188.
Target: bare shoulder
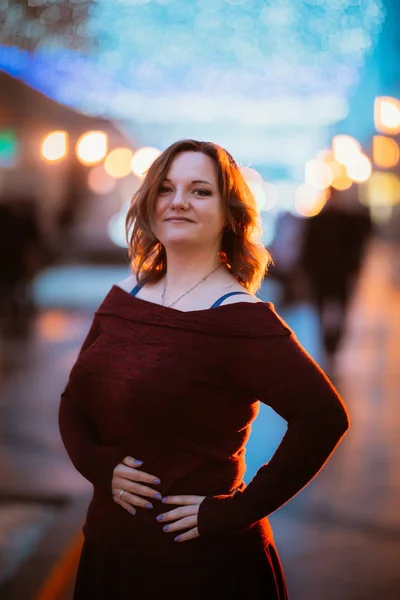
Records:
x=237, y=298
x=128, y=283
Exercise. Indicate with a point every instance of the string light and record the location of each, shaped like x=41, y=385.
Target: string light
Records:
x=91, y=147
x=54, y=146
x=118, y=162
x=143, y=159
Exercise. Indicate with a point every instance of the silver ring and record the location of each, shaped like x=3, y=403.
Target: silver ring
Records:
x=121, y=492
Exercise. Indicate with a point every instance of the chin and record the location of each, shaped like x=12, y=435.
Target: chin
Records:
x=172, y=240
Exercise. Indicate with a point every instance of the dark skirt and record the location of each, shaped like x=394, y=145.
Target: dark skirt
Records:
x=109, y=573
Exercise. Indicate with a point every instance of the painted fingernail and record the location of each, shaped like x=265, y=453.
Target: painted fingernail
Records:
x=158, y=496
x=148, y=505
x=138, y=462
x=156, y=481
x=159, y=518
x=133, y=511
x=165, y=499
x=165, y=528
x=178, y=537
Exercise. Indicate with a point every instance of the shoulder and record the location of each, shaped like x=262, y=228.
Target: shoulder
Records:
x=128, y=283
x=242, y=297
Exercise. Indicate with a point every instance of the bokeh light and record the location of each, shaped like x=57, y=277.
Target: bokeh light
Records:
x=143, y=159
x=342, y=182
x=92, y=147
x=345, y=149
x=360, y=170
x=309, y=201
x=386, y=152
x=250, y=174
x=387, y=114
x=8, y=147
x=382, y=189
x=116, y=227
x=54, y=326
x=318, y=174
x=259, y=193
x=271, y=196
x=99, y=181
x=54, y=146
x=118, y=163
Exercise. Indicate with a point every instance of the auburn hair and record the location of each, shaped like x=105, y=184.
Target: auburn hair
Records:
x=241, y=249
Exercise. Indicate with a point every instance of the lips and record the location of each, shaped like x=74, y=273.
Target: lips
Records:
x=179, y=219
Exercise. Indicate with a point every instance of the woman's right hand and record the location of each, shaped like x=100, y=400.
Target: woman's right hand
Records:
x=127, y=477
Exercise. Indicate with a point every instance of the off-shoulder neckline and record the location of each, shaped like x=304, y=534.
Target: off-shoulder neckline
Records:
x=184, y=312
x=237, y=320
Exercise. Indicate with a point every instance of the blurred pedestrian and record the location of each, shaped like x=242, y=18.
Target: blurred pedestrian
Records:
x=21, y=257
x=286, y=249
x=159, y=404
x=332, y=253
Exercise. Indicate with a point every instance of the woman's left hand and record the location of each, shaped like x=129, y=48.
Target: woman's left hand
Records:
x=184, y=517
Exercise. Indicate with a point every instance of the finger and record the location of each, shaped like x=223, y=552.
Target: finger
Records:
x=132, y=500
x=135, y=475
x=178, y=513
x=131, y=509
x=186, y=523
x=135, y=488
x=183, y=500
x=189, y=535
x=129, y=461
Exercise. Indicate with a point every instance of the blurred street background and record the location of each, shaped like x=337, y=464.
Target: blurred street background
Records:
x=305, y=94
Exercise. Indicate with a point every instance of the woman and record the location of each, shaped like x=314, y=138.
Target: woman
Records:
x=159, y=403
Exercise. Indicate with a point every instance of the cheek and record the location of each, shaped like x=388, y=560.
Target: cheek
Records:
x=159, y=208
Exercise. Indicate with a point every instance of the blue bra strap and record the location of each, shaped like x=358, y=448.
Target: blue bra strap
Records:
x=136, y=289
x=221, y=300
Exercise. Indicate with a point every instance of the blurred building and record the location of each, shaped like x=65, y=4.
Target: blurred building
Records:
x=72, y=216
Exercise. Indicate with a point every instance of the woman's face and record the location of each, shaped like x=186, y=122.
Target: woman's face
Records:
x=188, y=208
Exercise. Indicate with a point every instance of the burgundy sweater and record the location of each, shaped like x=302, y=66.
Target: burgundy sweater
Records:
x=179, y=391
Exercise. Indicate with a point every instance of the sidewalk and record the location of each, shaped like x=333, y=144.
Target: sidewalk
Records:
x=339, y=539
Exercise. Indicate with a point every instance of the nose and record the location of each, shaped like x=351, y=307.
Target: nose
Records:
x=178, y=200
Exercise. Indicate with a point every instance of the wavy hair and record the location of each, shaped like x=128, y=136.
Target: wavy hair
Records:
x=241, y=249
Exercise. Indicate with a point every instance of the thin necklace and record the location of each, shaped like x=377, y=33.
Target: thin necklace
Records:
x=189, y=290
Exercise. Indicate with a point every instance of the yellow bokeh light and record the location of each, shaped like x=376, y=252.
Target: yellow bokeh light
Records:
x=360, y=170
x=337, y=169
x=99, y=181
x=143, y=159
x=309, y=201
x=345, y=149
x=92, y=147
x=386, y=151
x=54, y=146
x=342, y=183
x=318, y=174
x=387, y=114
x=382, y=189
x=118, y=162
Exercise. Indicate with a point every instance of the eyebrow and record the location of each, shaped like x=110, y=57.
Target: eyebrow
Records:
x=194, y=181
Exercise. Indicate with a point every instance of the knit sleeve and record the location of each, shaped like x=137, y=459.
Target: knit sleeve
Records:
x=92, y=459
x=288, y=380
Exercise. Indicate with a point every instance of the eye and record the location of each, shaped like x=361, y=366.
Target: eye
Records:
x=163, y=189
x=202, y=192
